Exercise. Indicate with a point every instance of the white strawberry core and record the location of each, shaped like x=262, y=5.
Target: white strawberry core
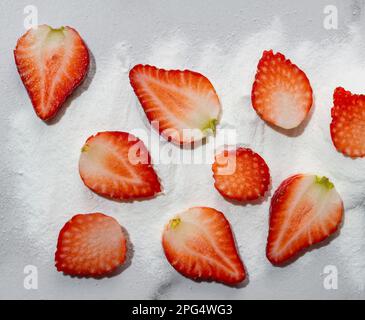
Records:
x=287, y=111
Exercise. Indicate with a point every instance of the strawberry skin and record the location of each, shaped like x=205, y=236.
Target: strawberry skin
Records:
x=199, y=244
x=348, y=123
x=117, y=165
x=90, y=245
x=305, y=209
x=182, y=105
x=241, y=174
x=281, y=93
x=51, y=63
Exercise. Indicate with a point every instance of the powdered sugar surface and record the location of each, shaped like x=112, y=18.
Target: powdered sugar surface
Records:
x=40, y=161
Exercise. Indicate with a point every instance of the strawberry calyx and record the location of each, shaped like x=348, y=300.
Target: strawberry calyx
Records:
x=60, y=29
x=174, y=223
x=85, y=148
x=55, y=34
x=324, y=182
x=210, y=127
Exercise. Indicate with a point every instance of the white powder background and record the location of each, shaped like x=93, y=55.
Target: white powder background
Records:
x=40, y=184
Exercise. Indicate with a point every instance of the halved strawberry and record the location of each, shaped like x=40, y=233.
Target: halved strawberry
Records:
x=348, y=123
x=281, y=93
x=199, y=244
x=305, y=210
x=51, y=63
x=90, y=245
x=182, y=105
x=241, y=174
x=117, y=165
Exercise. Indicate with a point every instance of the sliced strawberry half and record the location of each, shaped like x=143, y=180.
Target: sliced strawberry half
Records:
x=305, y=210
x=90, y=245
x=199, y=244
x=241, y=174
x=348, y=123
x=182, y=105
x=117, y=165
x=51, y=63
x=281, y=93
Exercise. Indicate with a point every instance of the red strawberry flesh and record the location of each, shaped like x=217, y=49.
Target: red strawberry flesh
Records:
x=281, y=93
x=348, y=123
x=51, y=63
x=182, y=105
x=90, y=245
x=199, y=244
x=241, y=174
x=305, y=210
x=117, y=165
